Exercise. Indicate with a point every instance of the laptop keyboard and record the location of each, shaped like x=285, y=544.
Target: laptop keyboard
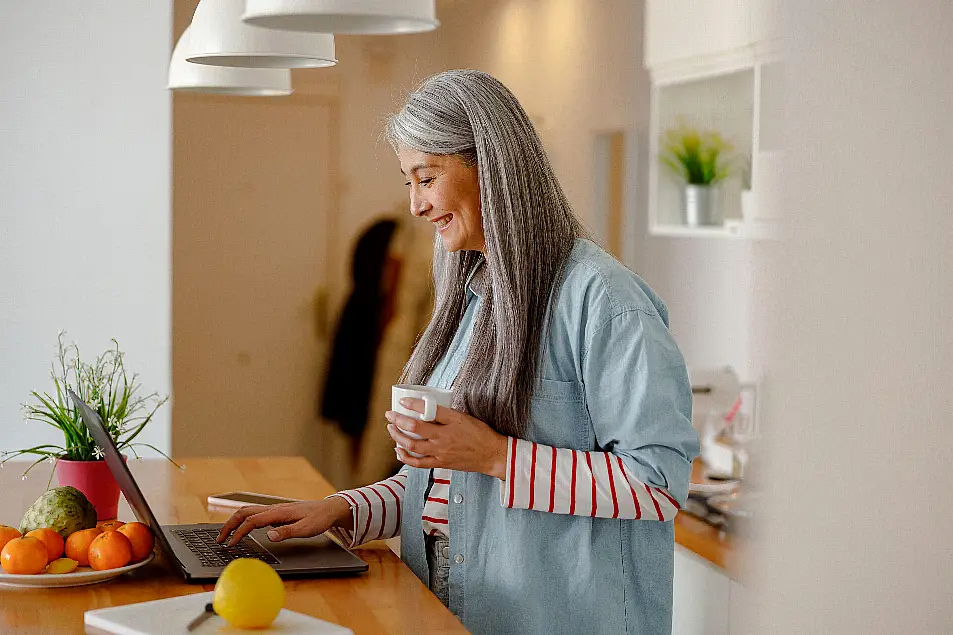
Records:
x=201, y=542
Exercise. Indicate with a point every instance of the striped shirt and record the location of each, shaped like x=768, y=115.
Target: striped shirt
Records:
x=538, y=477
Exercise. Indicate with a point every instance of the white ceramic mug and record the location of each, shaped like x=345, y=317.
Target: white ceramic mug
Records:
x=432, y=397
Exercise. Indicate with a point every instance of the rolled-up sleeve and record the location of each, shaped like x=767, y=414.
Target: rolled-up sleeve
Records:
x=640, y=400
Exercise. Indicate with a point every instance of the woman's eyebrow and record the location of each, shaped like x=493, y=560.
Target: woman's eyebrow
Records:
x=419, y=166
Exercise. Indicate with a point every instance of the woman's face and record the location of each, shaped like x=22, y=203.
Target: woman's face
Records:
x=445, y=191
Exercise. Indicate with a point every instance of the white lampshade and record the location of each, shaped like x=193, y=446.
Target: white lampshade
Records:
x=220, y=38
x=368, y=17
x=221, y=80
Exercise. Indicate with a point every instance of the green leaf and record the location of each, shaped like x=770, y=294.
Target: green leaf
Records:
x=696, y=156
x=106, y=385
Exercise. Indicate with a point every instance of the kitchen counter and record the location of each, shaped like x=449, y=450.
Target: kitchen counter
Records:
x=387, y=599
x=704, y=540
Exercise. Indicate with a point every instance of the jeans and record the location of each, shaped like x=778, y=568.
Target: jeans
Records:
x=438, y=558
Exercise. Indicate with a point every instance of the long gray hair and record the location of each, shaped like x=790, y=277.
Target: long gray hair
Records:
x=529, y=228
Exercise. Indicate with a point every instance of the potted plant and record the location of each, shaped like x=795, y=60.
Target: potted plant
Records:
x=106, y=386
x=701, y=158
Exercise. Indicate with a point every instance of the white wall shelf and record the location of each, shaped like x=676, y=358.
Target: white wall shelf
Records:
x=740, y=230
x=684, y=231
x=713, y=64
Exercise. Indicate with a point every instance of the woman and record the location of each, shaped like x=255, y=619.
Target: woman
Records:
x=542, y=500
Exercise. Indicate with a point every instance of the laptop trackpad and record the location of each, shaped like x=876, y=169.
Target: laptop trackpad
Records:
x=308, y=553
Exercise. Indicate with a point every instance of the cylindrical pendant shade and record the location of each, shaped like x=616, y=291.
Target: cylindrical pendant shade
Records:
x=368, y=17
x=221, y=80
x=220, y=38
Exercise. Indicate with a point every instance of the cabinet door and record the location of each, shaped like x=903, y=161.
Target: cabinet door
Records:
x=701, y=596
x=680, y=30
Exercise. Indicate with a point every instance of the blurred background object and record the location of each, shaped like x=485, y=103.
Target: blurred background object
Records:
x=856, y=328
x=360, y=328
x=410, y=254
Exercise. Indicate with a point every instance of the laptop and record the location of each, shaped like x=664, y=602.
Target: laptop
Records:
x=192, y=548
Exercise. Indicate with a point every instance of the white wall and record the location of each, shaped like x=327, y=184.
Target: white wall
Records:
x=858, y=328
x=84, y=195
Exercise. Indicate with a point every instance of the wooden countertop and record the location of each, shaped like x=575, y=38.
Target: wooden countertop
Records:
x=703, y=539
x=387, y=599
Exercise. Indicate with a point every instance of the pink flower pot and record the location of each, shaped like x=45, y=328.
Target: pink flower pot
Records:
x=95, y=481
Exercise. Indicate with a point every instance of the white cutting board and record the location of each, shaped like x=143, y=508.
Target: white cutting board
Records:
x=172, y=615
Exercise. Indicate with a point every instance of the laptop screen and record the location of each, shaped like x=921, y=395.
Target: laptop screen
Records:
x=119, y=469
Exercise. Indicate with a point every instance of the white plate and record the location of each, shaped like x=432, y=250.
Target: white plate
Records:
x=713, y=486
x=80, y=577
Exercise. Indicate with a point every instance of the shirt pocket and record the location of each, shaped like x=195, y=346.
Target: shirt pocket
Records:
x=559, y=416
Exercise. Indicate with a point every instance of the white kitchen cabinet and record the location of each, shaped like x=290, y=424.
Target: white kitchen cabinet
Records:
x=684, y=30
x=701, y=600
x=739, y=610
x=764, y=23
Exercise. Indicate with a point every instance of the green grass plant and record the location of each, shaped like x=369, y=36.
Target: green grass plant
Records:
x=108, y=388
x=699, y=157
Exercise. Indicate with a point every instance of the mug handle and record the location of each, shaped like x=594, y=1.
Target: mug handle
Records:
x=430, y=408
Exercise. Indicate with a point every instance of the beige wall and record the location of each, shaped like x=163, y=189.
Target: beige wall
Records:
x=576, y=67
x=268, y=196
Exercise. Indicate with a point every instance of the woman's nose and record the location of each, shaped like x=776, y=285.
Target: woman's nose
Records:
x=419, y=205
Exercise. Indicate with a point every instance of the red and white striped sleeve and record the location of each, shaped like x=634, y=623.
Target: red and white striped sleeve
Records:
x=561, y=481
x=375, y=510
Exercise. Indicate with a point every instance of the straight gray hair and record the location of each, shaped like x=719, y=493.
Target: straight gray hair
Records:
x=530, y=230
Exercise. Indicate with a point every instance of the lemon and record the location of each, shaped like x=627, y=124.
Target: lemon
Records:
x=249, y=594
x=61, y=566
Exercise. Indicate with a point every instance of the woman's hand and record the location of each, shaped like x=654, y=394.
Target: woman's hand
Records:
x=290, y=520
x=453, y=440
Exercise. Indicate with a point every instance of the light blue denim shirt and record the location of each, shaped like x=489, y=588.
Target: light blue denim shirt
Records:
x=612, y=379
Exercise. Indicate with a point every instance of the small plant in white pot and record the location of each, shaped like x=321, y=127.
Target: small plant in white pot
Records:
x=701, y=158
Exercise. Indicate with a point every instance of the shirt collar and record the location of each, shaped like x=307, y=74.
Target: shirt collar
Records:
x=473, y=283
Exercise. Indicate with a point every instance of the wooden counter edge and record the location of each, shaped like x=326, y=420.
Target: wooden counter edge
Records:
x=719, y=548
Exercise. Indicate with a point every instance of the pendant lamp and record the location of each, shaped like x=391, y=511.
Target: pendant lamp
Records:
x=221, y=80
x=367, y=17
x=220, y=38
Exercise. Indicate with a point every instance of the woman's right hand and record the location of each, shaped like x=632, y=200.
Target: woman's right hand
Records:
x=290, y=520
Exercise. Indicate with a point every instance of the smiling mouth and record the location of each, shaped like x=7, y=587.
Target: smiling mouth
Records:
x=443, y=221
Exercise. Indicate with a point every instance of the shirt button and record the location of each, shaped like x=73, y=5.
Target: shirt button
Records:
x=458, y=499
x=458, y=559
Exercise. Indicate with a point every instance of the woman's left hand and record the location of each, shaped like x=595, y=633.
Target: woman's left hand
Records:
x=453, y=440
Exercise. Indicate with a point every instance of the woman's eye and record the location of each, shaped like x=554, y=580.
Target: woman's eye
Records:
x=426, y=181
x=407, y=183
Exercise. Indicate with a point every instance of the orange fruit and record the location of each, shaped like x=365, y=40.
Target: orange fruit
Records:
x=53, y=541
x=7, y=534
x=140, y=537
x=110, y=525
x=77, y=545
x=109, y=550
x=25, y=555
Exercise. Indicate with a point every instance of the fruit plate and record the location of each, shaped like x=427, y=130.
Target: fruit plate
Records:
x=80, y=577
